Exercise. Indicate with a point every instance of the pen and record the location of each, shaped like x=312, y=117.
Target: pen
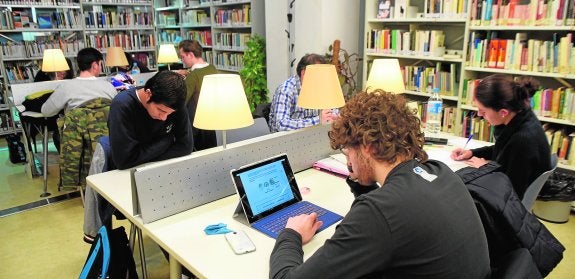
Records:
x=468, y=140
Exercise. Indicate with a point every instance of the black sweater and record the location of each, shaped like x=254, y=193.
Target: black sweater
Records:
x=408, y=228
x=137, y=138
x=521, y=148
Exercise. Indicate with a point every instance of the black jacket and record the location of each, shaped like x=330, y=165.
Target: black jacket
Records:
x=522, y=150
x=507, y=223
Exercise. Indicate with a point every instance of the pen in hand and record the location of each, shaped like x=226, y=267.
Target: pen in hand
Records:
x=468, y=140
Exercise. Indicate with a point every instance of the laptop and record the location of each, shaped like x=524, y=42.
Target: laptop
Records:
x=269, y=195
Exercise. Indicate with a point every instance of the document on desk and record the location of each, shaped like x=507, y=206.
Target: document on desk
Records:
x=333, y=164
x=443, y=155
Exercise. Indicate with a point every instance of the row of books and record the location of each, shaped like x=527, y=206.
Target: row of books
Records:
x=231, y=41
x=20, y=72
x=208, y=56
x=196, y=17
x=424, y=78
x=63, y=18
x=431, y=8
x=130, y=40
x=169, y=37
x=489, y=51
x=41, y=2
x=561, y=143
x=233, y=17
x=32, y=49
x=203, y=37
x=555, y=103
x=147, y=59
x=229, y=61
x=397, y=41
x=129, y=18
x=513, y=12
x=118, y=1
x=167, y=18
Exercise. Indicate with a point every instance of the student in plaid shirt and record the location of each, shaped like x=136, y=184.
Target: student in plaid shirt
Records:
x=284, y=114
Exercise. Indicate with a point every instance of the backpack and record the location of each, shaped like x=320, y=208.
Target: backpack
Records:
x=110, y=256
x=16, y=149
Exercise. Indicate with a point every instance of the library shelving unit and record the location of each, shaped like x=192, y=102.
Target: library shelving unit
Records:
x=125, y=23
x=428, y=42
x=221, y=27
x=26, y=29
x=526, y=41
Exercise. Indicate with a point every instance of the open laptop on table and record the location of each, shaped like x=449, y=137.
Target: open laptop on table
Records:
x=269, y=195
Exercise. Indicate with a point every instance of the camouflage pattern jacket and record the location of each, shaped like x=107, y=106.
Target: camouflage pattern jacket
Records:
x=80, y=129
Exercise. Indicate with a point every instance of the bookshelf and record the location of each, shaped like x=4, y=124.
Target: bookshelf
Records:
x=429, y=44
x=221, y=27
x=28, y=27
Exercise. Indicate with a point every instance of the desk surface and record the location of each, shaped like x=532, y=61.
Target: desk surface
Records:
x=183, y=237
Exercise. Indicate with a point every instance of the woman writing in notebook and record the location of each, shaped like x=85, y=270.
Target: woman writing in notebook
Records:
x=521, y=147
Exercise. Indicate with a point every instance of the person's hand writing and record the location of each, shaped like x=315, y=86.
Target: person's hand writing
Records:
x=459, y=154
x=476, y=162
x=306, y=225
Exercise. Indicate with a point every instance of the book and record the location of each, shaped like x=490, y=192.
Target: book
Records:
x=44, y=20
x=384, y=9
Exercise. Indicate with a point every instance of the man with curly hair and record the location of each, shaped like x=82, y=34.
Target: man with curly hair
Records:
x=416, y=218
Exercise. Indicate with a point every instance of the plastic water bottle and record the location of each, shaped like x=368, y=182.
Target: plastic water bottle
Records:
x=135, y=69
x=434, y=109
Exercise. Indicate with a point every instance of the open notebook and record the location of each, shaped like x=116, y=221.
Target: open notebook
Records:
x=269, y=195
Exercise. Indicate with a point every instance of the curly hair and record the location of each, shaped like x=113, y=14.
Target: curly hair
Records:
x=382, y=121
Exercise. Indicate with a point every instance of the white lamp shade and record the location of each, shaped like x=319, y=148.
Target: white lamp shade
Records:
x=320, y=88
x=167, y=54
x=115, y=57
x=385, y=74
x=223, y=104
x=54, y=61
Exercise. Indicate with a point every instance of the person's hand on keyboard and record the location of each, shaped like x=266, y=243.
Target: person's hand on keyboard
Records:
x=305, y=224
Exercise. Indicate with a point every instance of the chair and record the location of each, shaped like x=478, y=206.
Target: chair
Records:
x=259, y=128
x=263, y=110
x=535, y=187
x=517, y=264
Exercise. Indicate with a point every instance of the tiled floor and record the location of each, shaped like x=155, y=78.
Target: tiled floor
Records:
x=46, y=242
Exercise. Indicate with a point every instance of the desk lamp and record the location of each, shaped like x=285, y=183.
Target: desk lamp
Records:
x=116, y=57
x=222, y=104
x=53, y=60
x=320, y=88
x=167, y=54
x=385, y=74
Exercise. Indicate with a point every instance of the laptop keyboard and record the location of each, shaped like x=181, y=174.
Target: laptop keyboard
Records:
x=280, y=218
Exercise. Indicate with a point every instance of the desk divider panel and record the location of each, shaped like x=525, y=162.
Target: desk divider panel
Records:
x=168, y=189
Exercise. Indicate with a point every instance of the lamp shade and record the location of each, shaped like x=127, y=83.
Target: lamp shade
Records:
x=222, y=104
x=116, y=57
x=385, y=74
x=167, y=54
x=54, y=61
x=320, y=88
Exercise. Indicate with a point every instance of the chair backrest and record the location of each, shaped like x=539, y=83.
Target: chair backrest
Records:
x=259, y=128
x=535, y=187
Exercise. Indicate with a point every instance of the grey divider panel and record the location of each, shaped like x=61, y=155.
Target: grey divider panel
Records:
x=168, y=189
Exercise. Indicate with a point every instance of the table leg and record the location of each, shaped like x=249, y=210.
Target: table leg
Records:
x=142, y=254
x=175, y=268
x=45, y=162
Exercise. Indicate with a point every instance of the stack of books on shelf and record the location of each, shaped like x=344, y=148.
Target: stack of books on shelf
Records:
x=169, y=36
x=203, y=37
x=196, y=17
x=112, y=17
x=167, y=18
x=231, y=41
x=233, y=17
x=556, y=56
x=35, y=49
x=515, y=12
x=130, y=40
x=561, y=143
x=20, y=72
x=229, y=61
x=447, y=119
x=398, y=41
x=423, y=78
x=479, y=127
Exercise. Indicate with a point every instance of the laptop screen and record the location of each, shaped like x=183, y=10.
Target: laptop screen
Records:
x=266, y=187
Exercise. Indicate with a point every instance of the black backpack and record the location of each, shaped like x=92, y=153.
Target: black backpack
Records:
x=110, y=256
x=16, y=149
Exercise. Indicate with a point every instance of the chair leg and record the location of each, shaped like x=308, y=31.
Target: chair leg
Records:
x=142, y=254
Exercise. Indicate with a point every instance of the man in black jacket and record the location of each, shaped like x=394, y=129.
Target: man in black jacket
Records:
x=417, y=220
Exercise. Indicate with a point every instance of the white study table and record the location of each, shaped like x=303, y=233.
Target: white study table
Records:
x=182, y=235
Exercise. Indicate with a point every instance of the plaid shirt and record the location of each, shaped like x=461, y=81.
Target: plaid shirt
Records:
x=284, y=114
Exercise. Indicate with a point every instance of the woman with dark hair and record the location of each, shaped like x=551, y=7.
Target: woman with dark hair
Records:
x=521, y=147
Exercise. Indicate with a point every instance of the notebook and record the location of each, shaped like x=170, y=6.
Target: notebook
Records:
x=269, y=195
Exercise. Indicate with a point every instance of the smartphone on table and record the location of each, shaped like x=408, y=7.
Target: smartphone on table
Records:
x=240, y=242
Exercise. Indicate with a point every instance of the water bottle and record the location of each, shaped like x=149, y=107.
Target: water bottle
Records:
x=434, y=108
x=135, y=69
